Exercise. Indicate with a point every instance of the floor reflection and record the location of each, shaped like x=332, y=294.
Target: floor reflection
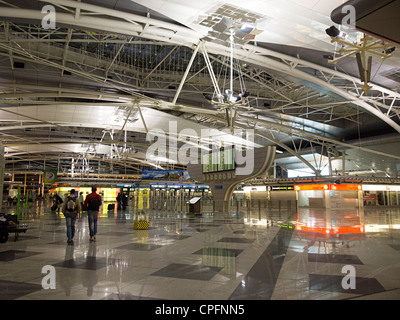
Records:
x=330, y=222
x=254, y=253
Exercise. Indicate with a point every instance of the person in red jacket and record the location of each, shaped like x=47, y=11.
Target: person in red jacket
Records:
x=92, y=206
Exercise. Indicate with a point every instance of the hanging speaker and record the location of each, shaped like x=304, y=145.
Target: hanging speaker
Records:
x=360, y=67
x=227, y=117
x=369, y=68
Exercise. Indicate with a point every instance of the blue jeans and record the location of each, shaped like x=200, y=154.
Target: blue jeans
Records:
x=92, y=219
x=70, y=219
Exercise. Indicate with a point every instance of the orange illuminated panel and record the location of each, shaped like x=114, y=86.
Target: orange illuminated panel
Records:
x=339, y=187
x=344, y=230
x=345, y=187
x=305, y=187
x=333, y=230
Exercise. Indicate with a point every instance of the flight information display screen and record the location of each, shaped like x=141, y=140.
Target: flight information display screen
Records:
x=219, y=160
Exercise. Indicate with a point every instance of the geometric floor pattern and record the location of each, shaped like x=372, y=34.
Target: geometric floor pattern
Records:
x=212, y=257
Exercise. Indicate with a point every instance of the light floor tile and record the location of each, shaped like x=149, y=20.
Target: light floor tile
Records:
x=214, y=257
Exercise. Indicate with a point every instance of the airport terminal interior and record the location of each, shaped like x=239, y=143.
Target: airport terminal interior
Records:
x=243, y=150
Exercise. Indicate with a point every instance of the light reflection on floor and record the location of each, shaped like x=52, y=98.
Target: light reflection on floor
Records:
x=254, y=254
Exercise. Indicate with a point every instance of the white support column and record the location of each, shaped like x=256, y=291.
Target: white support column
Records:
x=344, y=164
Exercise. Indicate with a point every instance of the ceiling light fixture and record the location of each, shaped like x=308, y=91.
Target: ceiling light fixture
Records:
x=229, y=101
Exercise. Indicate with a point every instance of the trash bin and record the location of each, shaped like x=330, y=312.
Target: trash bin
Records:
x=141, y=222
x=195, y=205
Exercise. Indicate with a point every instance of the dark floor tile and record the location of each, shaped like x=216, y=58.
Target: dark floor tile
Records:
x=126, y=296
x=11, y=255
x=175, y=236
x=89, y=263
x=333, y=283
x=10, y=290
x=200, y=229
x=334, y=258
x=209, y=225
x=395, y=246
x=251, y=233
x=139, y=246
x=187, y=271
x=221, y=252
x=66, y=264
x=235, y=240
x=259, y=283
x=60, y=242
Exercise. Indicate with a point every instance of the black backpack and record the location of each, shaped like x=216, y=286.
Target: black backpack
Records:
x=71, y=204
x=94, y=204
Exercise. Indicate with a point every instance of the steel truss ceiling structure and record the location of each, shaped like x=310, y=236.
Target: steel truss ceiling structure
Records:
x=83, y=96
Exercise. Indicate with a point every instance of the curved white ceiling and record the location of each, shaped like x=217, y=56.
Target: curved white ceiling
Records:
x=298, y=23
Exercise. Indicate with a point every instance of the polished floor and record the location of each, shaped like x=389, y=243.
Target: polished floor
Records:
x=255, y=254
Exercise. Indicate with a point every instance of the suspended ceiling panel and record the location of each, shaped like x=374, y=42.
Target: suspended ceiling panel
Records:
x=295, y=23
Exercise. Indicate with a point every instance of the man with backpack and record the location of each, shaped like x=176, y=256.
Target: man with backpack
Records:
x=92, y=206
x=71, y=208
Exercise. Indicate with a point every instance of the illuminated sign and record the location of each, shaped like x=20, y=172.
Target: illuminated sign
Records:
x=380, y=187
x=307, y=187
x=345, y=187
x=338, y=187
x=255, y=188
x=219, y=160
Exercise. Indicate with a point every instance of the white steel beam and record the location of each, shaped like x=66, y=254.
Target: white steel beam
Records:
x=249, y=53
x=186, y=73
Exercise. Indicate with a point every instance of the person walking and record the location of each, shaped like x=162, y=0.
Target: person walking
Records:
x=92, y=205
x=119, y=201
x=124, y=201
x=71, y=208
x=81, y=200
x=58, y=202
